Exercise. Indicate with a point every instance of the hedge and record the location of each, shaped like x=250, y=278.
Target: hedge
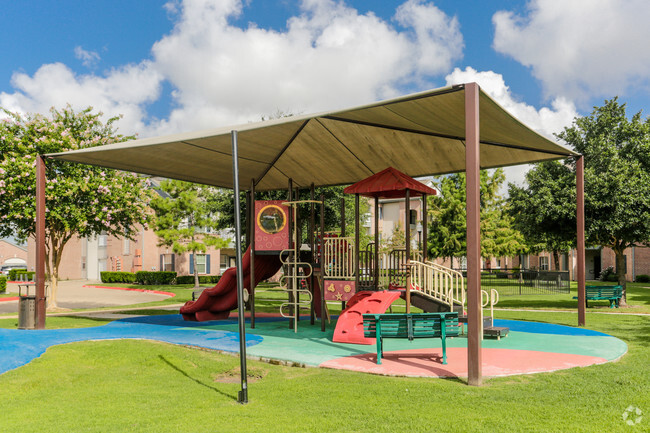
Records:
x=643, y=278
x=203, y=279
x=3, y=284
x=118, y=277
x=155, y=278
x=15, y=274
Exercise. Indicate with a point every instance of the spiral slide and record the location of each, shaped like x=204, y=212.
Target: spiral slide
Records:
x=217, y=302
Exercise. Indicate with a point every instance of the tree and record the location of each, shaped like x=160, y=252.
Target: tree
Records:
x=81, y=200
x=616, y=154
x=448, y=219
x=184, y=213
x=544, y=211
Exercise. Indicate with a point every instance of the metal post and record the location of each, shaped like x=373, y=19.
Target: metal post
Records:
x=312, y=228
x=407, y=242
x=342, y=234
x=425, y=222
x=290, y=268
x=243, y=394
x=580, y=216
x=322, y=264
x=472, y=170
x=40, y=243
x=251, y=218
x=357, y=239
x=376, y=243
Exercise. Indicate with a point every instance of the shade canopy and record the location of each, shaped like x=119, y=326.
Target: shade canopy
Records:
x=420, y=134
x=389, y=183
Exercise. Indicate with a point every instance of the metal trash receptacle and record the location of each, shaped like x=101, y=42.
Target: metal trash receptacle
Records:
x=27, y=312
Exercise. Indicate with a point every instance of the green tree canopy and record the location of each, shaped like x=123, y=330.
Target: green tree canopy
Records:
x=447, y=218
x=80, y=200
x=544, y=210
x=616, y=153
x=185, y=214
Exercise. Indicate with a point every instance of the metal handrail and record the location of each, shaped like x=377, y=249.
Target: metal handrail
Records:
x=438, y=282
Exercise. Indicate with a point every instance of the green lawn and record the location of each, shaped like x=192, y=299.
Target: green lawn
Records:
x=140, y=386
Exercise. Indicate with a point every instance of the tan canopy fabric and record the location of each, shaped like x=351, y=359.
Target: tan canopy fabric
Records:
x=419, y=134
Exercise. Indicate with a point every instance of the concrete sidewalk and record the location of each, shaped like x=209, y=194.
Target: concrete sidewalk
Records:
x=74, y=294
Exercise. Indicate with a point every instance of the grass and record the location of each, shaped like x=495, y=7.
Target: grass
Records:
x=140, y=386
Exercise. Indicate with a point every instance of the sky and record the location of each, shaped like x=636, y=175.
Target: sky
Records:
x=185, y=65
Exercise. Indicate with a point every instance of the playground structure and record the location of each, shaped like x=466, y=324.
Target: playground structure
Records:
x=329, y=266
x=451, y=129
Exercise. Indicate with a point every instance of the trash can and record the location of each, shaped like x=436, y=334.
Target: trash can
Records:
x=27, y=312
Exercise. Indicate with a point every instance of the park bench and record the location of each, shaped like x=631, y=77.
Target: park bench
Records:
x=612, y=294
x=411, y=326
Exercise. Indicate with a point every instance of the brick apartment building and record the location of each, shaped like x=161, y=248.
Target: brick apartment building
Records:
x=12, y=253
x=86, y=258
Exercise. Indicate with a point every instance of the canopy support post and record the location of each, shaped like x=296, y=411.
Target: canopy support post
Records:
x=40, y=242
x=407, y=246
x=580, y=216
x=252, y=224
x=473, y=176
x=243, y=393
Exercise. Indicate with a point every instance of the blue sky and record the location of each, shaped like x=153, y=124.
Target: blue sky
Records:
x=193, y=64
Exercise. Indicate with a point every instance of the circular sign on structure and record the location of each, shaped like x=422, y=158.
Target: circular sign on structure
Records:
x=271, y=219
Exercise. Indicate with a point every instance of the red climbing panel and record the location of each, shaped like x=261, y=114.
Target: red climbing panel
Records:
x=349, y=327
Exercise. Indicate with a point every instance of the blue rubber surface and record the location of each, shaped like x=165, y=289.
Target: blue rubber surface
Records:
x=546, y=328
x=19, y=347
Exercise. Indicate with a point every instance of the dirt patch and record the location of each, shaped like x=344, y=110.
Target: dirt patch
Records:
x=232, y=376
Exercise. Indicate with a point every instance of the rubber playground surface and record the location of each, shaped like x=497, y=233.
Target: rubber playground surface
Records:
x=530, y=347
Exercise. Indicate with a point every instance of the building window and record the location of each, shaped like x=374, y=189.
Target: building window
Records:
x=200, y=264
x=543, y=263
x=126, y=247
x=102, y=240
x=413, y=218
x=223, y=263
x=167, y=262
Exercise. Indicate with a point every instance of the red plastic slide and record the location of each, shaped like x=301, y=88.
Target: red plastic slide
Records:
x=217, y=302
x=349, y=327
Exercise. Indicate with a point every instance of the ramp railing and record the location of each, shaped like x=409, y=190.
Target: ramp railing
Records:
x=439, y=283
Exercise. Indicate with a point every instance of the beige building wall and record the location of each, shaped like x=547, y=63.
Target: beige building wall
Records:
x=87, y=258
x=11, y=251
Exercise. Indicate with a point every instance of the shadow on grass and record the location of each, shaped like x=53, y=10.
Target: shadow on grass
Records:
x=217, y=390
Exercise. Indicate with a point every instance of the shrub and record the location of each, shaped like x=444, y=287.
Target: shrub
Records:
x=605, y=274
x=643, y=278
x=155, y=278
x=3, y=284
x=203, y=279
x=118, y=277
x=16, y=274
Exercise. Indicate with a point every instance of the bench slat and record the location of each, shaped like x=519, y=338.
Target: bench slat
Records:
x=423, y=325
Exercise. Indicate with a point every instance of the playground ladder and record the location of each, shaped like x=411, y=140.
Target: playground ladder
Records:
x=291, y=309
x=439, y=283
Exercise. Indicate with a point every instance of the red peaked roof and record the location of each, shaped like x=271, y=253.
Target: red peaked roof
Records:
x=389, y=183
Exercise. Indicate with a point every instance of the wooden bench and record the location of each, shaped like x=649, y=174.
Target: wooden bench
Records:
x=411, y=326
x=612, y=294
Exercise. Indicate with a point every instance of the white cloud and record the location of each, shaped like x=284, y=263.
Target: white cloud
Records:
x=88, y=58
x=580, y=49
x=329, y=56
x=123, y=91
x=546, y=121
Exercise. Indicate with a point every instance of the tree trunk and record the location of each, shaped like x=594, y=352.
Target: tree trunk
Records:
x=196, y=271
x=556, y=260
x=620, y=273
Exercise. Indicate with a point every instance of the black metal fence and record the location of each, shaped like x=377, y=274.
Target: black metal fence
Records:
x=524, y=282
